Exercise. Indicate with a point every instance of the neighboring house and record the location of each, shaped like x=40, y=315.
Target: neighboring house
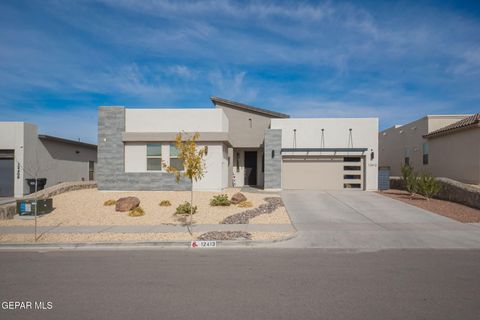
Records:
x=443, y=145
x=246, y=146
x=25, y=155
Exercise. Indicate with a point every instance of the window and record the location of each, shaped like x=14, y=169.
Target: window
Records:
x=407, y=161
x=351, y=176
x=238, y=161
x=154, y=157
x=354, y=168
x=425, y=153
x=174, y=160
x=351, y=159
x=263, y=162
x=407, y=156
x=91, y=170
x=352, y=185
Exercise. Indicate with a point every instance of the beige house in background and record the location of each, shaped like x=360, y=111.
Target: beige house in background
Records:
x=443, y=145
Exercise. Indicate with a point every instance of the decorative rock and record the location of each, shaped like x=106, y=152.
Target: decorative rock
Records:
x=237, y=198
x=244, y=217
x=127, y=204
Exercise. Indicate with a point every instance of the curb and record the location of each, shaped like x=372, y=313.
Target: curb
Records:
x=139, y=244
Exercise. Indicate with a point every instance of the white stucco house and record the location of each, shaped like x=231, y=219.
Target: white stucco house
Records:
x=246, y=146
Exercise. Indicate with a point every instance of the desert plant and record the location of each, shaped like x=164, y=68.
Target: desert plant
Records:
x=428, y=186
x=165, y=203
x=410, y=180
x=245, y=204
x=186, y=208
x=193, y=161
x=220, y=200
x=136, y=212
x=110, y=202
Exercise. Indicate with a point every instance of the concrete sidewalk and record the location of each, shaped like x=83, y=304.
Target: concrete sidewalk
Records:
x=150, y=229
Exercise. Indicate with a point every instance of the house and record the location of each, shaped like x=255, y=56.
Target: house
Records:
x=442, y=145
x=246, y=146
x=25, y=155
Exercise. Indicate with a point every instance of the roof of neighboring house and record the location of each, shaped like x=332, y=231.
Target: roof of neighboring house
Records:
x=468, y=122
x=239, y=105
x=57, y=139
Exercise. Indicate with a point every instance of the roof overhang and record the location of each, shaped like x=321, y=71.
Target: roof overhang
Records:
x=67, y=141
x=170, y=136
x=245, y=107
x=283, y=150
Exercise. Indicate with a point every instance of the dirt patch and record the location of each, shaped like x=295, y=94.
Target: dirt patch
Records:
x=445, y=208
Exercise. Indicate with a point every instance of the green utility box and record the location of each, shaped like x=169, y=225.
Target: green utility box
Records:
x=27, y=207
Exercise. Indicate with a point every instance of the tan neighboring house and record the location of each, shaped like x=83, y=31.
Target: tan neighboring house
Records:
x=443, y=145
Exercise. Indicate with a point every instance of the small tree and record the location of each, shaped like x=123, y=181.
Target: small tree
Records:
x=428, y=186
x=193, y=163
x=410, y=179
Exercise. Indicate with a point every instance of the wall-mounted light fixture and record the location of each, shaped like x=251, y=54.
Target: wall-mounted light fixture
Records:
x=238, y=161
x=372, y=154
x=206, y=150
x=77, y=151
x=273, y=154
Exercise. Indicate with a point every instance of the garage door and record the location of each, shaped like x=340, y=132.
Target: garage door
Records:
x=7, y=173
x=322, y=173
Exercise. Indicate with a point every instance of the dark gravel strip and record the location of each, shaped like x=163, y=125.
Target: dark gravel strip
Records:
x=244, y=217
x=225, y=235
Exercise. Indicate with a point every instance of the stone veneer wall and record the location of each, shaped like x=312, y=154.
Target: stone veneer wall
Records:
x=7, y=211
x=273, y=166
x=451, y=190
x=111, y=173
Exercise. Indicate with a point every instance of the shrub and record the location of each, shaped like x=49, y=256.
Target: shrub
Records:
x=428, y=186
x=136, y=212
x=245, y=204
x=165, y=203
x=110, y=202
x=410, y=179
x=220, y=200
x=185, y=207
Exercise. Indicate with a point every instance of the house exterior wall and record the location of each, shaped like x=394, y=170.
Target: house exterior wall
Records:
x=273, y=159
x=396, y=142
x=129, y=159
x=336, y=135
x=242, y=135
x=456, y=156
x=56, y=161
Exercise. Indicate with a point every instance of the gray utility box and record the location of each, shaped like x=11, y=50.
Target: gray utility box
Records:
x=27, y=207
x=383, y=178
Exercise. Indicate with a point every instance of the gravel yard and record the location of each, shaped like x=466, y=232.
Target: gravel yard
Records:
x=448, y=209
x=85, y=208
x=115, y=237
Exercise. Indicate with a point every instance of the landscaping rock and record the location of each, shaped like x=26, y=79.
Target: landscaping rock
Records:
x=225, y=235
x=237, y=198
x=244, y=217
x=127, y=204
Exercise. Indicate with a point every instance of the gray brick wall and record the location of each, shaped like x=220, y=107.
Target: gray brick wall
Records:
x=111, y=173
x=273, y=166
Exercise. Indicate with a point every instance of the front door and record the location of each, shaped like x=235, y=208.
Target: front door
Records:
x=251, y=168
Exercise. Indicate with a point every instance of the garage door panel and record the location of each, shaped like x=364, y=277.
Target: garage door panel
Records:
x=329, y=173
x=6, y=177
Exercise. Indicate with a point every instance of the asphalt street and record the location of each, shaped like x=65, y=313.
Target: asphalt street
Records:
x=242, y=284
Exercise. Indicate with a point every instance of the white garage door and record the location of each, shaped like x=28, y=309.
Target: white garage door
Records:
x=322, y=173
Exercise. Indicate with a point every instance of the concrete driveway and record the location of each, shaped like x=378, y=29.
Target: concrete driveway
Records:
x=370, y=221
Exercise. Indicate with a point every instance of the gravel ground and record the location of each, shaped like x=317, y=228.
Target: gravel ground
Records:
x=445, y=208
x=85, y=208
x=114, y=237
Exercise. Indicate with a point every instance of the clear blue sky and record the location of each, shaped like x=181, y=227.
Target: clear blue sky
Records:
x=60, y=60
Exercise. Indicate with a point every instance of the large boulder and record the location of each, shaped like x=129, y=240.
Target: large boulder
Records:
x=237, y=198
x=127, y=204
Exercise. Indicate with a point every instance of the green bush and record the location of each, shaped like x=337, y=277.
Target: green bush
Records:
x=428, y=186
x=185, y=207
x=110, y=202
x=220, y=200
x=136, y=212
x=410, y=179
x=165, y=203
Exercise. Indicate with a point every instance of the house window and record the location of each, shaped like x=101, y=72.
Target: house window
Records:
x=175, y=162
x=353, y=168
x=351, y=159
x=154, y=157
x=425, y=153
x=263, y=162
x=352, y=185
x=407, y=156
x=352, y=176
x=91, y=170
